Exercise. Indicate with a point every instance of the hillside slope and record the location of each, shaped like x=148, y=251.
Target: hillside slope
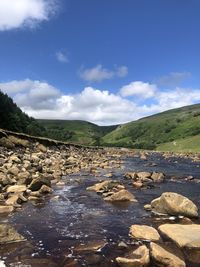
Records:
x=76, y=131
x=12, y=118
x=150, y=132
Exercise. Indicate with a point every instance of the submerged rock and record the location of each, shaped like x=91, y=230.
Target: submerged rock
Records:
x=174, y=204
x=104, y=186
x=137, y=258
x=122, y=195
x=166, y=255
x=144, y=232
x=8, y=234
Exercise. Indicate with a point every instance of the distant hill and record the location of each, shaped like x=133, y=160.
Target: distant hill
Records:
x=173, y=130
x=75, y=131
x=12, y=118
x=152, y=131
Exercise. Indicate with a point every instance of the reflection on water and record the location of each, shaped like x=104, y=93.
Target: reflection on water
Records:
x=58, y=229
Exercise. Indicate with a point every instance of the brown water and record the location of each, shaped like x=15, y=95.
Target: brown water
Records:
x=56, y=230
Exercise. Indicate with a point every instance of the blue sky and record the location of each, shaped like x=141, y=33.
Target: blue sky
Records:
x=108, y=61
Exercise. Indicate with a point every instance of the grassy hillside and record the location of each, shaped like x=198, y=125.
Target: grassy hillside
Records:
x=76, y=131
x=189, y=144
x=150, y=132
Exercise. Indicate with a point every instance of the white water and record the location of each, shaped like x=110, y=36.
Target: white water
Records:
x=2, y=264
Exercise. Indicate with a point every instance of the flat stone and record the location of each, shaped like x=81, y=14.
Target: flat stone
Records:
x=187, y=235
x=16, y=189
x=122, y=195
x=166, y=255
x=6, y=209
x=8, y=234
x=144, y=232
x=137, y=258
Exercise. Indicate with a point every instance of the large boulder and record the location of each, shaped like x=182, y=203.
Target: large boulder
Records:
x=122, y=195
x=144, y=232
x=8, y=234
x=137, y=258
x=186, y=237
x=166, y=255
x=174, y=204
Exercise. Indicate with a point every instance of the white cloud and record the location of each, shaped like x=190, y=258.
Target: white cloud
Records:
x=42, y=100
x=173, y=79
x=19, y=13
x=96, y=74
x=28, y=93
x=138, y=88
x=99, y=73
x=122, y=71
x=62, y=57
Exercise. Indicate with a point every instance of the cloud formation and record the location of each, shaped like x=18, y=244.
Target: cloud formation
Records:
x=138, y=88
x=99, y=73
x=62, y=57
x=25, y=13
x=42, y=100
x=173, y=79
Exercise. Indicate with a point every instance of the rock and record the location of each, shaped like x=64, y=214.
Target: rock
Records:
x=174, y=204
x=16, y=189
x=13, y=170
x=42, y=148
x=103, y=186
x=138, y=258
x=37, y=183
x=23, y=175
x=5, y=180
x=14, y=159
x=60, y=183
x=91, y=246
x=8, y=234
x=147, y=207
x=165, y=255
x=186, y=237
x=122, y=195
x=137, y=184
x=130, y=175
x=157, y=177
x=144, y=232
x=45, y=189
x=6, y=209
x=143, y=175
x=122, y=245
x=16, y=200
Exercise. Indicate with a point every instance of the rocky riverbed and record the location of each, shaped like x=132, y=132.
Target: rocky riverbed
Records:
x=62, y=205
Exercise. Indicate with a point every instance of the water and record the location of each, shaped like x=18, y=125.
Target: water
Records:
x=60, y=229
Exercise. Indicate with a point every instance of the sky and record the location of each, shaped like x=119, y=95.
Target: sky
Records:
x=104, y=61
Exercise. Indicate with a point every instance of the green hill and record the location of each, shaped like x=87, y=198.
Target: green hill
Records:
x=13, y=119
x=75, y=131
x=173, y=130
x=189, y=144
x=150, y=132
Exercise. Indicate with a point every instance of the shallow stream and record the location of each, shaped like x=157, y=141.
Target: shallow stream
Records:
x=63, y=229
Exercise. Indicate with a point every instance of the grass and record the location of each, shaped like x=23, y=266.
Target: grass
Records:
x=189, y=144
